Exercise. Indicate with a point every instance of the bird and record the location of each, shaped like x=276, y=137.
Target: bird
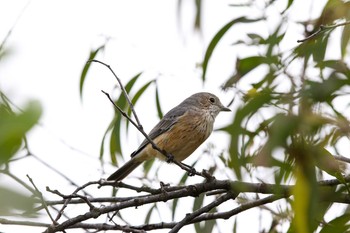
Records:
x=180, y=132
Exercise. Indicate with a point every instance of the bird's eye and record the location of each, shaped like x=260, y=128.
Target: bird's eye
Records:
x=212, y=100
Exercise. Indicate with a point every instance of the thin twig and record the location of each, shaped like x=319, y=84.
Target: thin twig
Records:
x=123, y=90
x=69, y=199
x=40, y=195
x=2, y=45
x=322, y=29
x=71, y=196
x=30, y=189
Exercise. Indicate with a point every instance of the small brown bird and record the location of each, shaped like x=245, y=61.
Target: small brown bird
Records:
x=181, y=131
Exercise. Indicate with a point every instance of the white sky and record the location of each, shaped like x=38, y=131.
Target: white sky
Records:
x=49, y=46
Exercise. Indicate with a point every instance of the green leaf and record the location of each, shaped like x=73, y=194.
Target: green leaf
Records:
x=338, y=66
x=149, y=213
x=114, y=143
x=345, y=37
x=337, y=225
x=306, y=203
x=287, y=7
x=246, y=65
x=197, y=21
x=86, y=68
x=137, y=96
x=173, y=208
x=278, y=134
x=326, y=162
x=234, y=230
x=236, y=130
x=132, y=81
x=159, y=108
x=13, y=128
x=315, y=47
x=147, y=165
x=324, y=91
x=302, y=198
x=213, y=43
x=198, y=203
x=12, y=201
x=109, y=128
x=209, y=224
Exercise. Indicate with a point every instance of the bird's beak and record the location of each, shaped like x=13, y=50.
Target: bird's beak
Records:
x=225, y=109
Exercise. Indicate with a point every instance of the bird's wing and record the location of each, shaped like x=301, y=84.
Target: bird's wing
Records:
x=164, y=125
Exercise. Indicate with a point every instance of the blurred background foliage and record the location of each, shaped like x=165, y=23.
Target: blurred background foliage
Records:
x=14, y=126
x=289, y=121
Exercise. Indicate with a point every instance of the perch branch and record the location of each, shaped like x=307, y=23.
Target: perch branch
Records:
x=322, y=29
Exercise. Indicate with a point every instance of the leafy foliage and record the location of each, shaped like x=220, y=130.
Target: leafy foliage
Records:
x=13, y=129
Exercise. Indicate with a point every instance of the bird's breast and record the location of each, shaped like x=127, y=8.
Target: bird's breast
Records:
x=184, y=137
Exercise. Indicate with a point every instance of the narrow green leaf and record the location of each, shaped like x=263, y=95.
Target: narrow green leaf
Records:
x=149, y=213
x=136, y=97
x=287, y=7
x=325, y=161
x=147, y=165
x=115, y=144
x=86, y=68
x=337, y=65
x=234, y=230
x=235, y=129
x=198, y=203
x=345, y=37
x=337, y=225
x=159, y=108
x=13, y=128
x=302, y=196
x=132, y=81
x=109, y=128
x=121, y=100
x=197, y=21
x=173, y=208
x=209, y=224
x=324, y=91
x=306, y=205
x=213, y=43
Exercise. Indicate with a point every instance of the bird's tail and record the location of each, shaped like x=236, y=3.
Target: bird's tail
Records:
x=125, y=170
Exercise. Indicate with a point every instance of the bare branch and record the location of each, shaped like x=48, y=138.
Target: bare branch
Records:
x=69, y=199
x=207, y=208
x=241, y=208
x=342, y=158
